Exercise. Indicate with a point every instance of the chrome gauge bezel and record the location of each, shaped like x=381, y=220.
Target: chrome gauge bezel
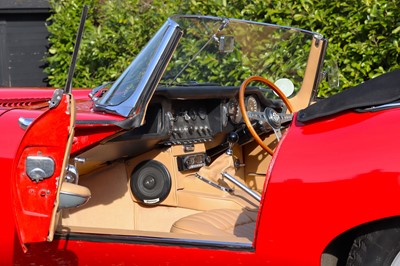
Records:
x=234, y=113
x=252, y=104
x=225, y=115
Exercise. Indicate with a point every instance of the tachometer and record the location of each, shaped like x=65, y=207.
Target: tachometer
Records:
x=252, y=104
x=233, y=111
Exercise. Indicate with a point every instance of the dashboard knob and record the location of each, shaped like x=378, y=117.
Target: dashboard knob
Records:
x=191, y=129
x=200, y=130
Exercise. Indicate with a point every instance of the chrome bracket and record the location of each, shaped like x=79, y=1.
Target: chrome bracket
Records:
x=56, y=98
x=24, y=122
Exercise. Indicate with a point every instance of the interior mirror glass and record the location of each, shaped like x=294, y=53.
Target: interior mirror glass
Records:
x=226, y=44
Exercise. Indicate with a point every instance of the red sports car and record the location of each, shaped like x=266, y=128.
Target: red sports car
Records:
x=210, y=149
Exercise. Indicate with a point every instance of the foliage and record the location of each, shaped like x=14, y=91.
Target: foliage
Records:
x=114, y=34
x=363, y=34
x=256, y=49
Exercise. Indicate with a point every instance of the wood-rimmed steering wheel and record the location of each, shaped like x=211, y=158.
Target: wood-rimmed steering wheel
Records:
x=269, y=118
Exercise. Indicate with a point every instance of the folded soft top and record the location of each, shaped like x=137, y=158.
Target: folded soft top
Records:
x=381, y=90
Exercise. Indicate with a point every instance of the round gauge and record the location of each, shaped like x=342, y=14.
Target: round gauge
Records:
x=252, y=104
x=234, y=111
x=225, y=116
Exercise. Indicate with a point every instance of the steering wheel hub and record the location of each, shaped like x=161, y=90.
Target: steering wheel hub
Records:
x=273, y=118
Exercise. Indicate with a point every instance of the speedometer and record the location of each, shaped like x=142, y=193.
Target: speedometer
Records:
x=252, y=104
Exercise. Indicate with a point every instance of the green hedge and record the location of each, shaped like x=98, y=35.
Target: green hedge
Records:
x=363, y=35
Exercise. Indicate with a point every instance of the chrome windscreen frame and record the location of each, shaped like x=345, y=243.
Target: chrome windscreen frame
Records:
x=134, y=107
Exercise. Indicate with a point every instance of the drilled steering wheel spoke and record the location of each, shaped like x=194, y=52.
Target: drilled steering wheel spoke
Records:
x=259, y=116
x=285, y=118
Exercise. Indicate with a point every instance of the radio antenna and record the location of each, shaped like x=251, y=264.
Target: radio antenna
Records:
x=68, y=85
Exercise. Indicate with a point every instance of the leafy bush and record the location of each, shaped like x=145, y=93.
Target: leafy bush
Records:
x=363, y=34
x=114, y=34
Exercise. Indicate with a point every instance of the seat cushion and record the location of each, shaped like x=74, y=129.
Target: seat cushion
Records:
x=219, y=222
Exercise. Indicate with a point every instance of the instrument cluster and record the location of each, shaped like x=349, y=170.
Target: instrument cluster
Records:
x=233, y=110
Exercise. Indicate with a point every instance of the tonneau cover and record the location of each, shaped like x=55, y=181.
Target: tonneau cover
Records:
x=381, y=90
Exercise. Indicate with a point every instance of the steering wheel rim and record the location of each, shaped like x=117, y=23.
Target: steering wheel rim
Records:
x=242, y=107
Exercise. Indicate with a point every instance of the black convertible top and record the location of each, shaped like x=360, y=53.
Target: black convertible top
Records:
x=381, y=90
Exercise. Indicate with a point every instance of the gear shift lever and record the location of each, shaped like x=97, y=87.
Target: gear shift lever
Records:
x=224, y=164
x=232, y=139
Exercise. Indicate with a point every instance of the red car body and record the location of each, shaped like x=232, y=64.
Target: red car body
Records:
x=329, y=179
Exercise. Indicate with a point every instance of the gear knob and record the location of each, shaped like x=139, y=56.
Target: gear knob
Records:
x=232, y=139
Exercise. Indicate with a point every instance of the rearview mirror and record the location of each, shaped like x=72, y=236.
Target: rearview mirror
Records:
x=226, y=44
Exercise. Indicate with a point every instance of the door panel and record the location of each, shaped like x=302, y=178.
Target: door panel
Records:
x=38, y=170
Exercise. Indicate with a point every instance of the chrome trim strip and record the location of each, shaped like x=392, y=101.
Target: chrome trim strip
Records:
x=162, y=241
x=146, y=87
x=176, y=17
x=96, y=122
x=318, y=76
x=380, y=107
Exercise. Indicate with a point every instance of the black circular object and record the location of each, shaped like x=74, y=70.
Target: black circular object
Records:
x=150, y=182
x=273, y=118
x=233, y=137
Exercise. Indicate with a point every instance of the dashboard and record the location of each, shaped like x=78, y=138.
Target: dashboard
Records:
x=196, y=114
x=186, y=116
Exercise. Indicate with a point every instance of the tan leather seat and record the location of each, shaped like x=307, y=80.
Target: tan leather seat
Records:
x=219, y=222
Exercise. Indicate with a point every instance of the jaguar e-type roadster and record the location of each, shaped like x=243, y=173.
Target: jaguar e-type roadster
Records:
x=211, y=148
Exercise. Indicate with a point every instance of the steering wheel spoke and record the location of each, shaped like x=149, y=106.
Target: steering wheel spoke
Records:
x=278, y=133
x=285, y=118
x=259, y=116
